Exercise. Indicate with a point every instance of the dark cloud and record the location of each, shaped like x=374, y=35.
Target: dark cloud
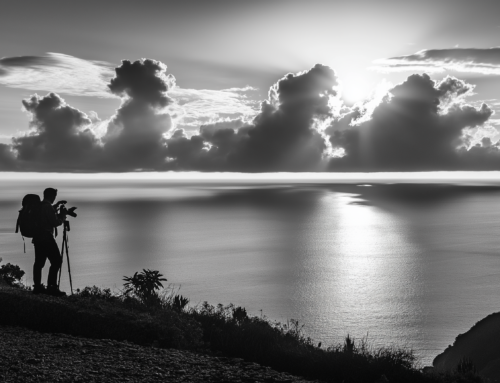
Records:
x=467, y=55
x=143, y=81
x=482, y=156
x=7, y=63
x=344, y=121
x=418, y=128
x=476, y=60
x=134, y=138
x=28, y=61
x=282, y=136
x=186, y=153
x=207, y=131
x=420, y=125
x=7, y=158
x=60, y=138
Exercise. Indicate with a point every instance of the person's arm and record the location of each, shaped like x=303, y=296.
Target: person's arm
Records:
x=52, y=218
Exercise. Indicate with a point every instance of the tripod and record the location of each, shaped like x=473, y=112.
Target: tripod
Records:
x=64, y=247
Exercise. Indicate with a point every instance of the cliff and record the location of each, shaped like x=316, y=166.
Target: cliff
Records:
x=481, y=344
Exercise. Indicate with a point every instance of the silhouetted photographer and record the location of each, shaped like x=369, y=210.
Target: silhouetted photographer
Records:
x=48, y=217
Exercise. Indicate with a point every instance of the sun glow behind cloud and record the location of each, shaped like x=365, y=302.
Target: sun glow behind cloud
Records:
x=356, y=87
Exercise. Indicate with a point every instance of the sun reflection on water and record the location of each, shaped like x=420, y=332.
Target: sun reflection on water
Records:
x=365, y=284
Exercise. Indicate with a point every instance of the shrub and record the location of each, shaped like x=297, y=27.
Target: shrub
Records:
x=99, y=316
x=144, y=286
x=229, y=329
x=95, y=292
x=11, y=274
x=179, y=302
x=240, y=314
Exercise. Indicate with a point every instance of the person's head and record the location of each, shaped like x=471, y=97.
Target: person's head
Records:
x=50, y=194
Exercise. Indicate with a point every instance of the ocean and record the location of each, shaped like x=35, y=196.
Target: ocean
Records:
x=409, y=264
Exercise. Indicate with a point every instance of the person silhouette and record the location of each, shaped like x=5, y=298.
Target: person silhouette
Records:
x=45, y=244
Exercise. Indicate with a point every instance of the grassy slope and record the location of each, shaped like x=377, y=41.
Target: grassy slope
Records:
x=210, y=329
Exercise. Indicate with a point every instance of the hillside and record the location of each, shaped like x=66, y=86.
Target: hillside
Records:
x=207, y=335
x=481, y=344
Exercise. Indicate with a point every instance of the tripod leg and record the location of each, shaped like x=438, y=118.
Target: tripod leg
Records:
x=69, y=267
x=62, y=260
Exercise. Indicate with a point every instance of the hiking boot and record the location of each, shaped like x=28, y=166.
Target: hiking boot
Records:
x=54, y=291
x=39, y=289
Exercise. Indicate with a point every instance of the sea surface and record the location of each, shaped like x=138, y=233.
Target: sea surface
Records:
x=409, y=264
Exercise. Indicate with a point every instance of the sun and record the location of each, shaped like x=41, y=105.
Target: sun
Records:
x=355, y=88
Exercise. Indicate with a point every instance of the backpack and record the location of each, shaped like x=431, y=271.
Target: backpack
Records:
x=27, y=219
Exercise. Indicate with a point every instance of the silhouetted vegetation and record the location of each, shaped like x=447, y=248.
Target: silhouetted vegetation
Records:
x=146, y=315
x=466, y=366
x=11, y=274
x=144, y=286
x=284, y=347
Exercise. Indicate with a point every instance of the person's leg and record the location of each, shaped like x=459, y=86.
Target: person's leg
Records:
x=40, y=258
x=55, y=263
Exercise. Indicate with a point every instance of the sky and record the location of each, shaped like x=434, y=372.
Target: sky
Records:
x=249, y=86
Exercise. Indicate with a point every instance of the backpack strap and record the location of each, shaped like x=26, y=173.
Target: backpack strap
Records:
x=17, y=223
x=17, y=229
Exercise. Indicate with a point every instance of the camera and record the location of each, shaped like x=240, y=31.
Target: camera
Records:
x=63, y=210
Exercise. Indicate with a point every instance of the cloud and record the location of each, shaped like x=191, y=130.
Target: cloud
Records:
x=60, y=139
x=418, y=125
x=473, y=60
x=65, y=138
x=145, y=81
x=56, y=72
x=207, y=131
x=283, y=136
x=194, y=107
x=135, y=135
x=245, y=89
x=65, y=74
x=8, y=159
x=482, y=156
x=421, y=125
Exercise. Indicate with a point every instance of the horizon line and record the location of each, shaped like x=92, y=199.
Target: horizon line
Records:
x=277, y=177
